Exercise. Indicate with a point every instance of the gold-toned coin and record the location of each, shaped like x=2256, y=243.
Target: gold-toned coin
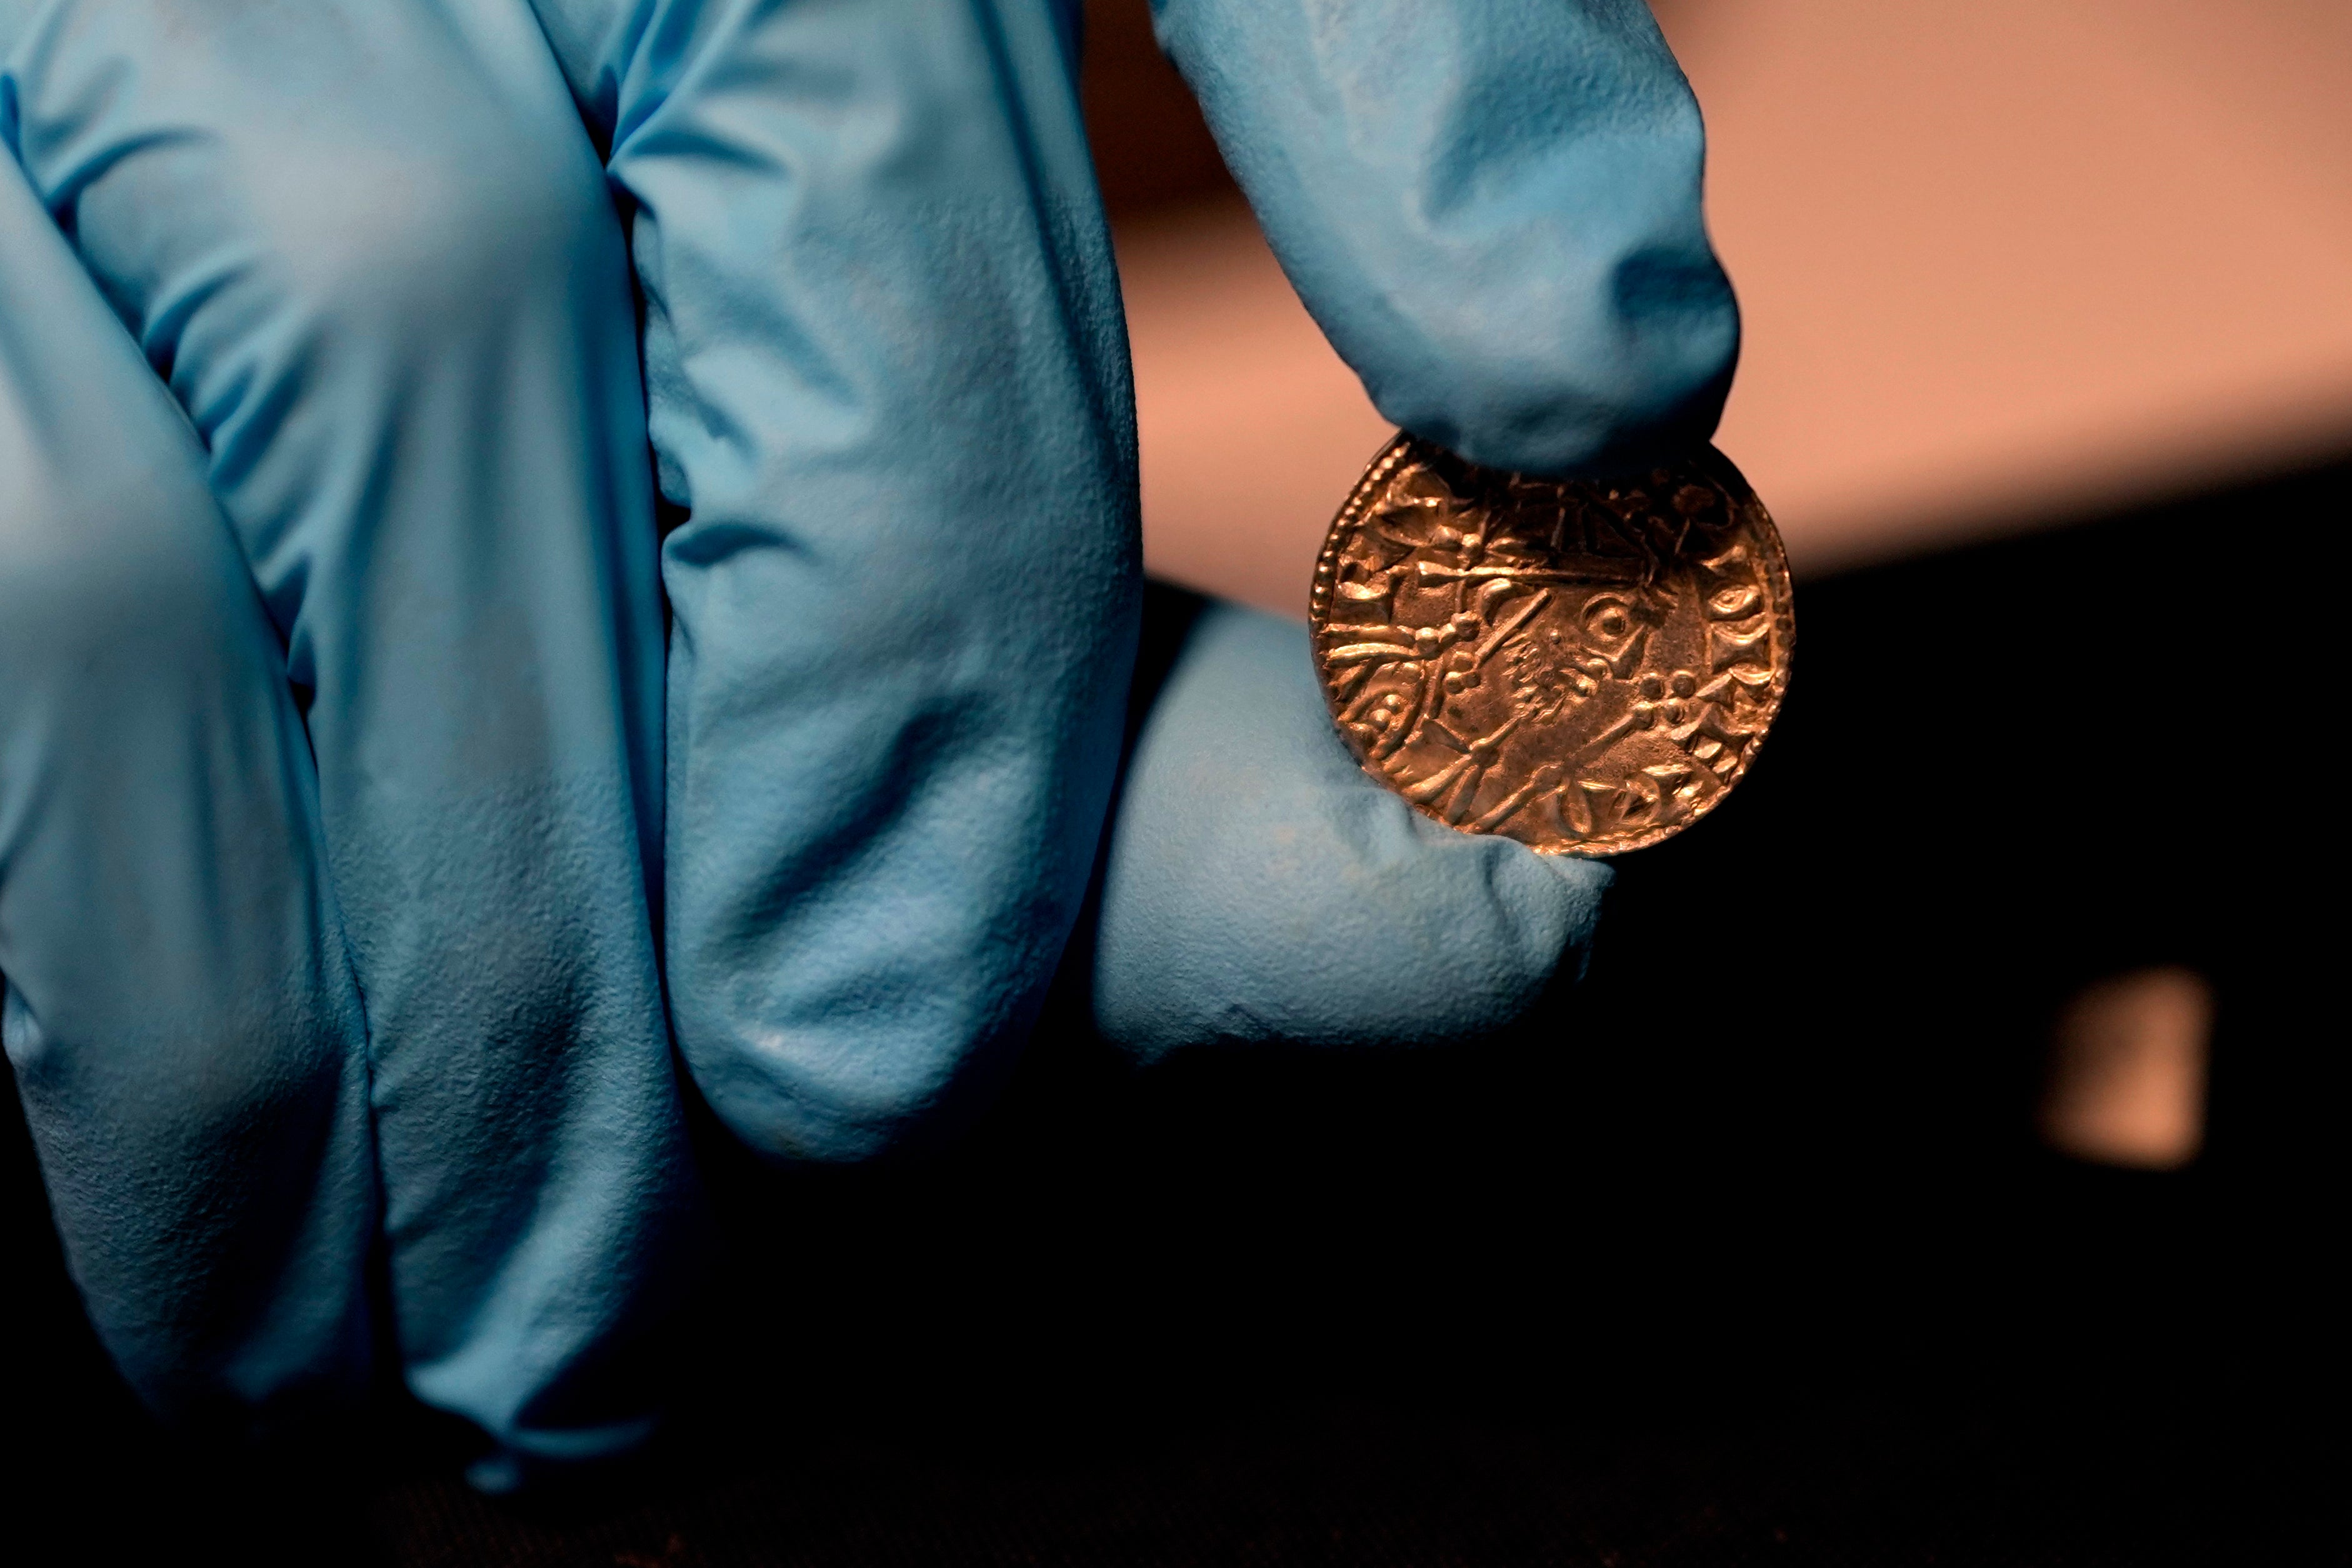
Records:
x=1585, y=667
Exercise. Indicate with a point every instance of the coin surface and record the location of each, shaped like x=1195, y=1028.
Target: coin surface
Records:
x=1585, y=667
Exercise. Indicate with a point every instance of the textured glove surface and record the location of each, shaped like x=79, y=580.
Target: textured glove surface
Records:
x=889, y=392
x=1261, y=887
x=1492, y=208
x=404, y=761
x=366, y=245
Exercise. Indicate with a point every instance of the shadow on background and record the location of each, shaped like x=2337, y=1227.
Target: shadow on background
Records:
x=1744, y=1247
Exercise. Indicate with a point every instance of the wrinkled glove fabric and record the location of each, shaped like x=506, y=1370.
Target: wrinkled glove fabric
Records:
x=184, y=1028
x=367, y=251
x=889, y=391
x=1490, y=207
x=367, y=247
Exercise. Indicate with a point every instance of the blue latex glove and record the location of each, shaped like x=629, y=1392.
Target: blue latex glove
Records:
x=1490, y=207
x=180, y=1014
x=367, y=247
x=888, y=393
x=1261, y=888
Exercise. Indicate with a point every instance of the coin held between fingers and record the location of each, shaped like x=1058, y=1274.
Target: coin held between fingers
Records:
x=1585, y=666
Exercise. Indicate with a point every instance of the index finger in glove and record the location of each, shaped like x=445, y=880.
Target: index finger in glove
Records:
x=1491, y=207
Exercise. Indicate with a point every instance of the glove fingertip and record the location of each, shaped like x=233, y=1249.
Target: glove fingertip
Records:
x=1262, y=889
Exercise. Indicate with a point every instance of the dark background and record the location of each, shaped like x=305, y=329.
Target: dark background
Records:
x=1742, y=1250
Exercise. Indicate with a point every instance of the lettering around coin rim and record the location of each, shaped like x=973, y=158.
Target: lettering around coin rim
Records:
x=1588, y=668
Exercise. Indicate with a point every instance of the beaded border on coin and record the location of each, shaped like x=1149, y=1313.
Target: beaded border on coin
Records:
x=1648, y=625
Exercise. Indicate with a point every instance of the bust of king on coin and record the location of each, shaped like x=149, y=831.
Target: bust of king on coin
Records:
x=1587, y=667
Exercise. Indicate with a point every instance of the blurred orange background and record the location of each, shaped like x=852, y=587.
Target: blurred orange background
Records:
x=2002, y=263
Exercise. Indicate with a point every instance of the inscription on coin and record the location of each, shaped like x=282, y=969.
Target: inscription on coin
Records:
x=1587, y=668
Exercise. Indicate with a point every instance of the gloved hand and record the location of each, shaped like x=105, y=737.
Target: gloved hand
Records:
x=889, y=400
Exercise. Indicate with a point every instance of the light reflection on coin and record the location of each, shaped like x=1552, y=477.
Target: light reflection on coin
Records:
x=1585, y=667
